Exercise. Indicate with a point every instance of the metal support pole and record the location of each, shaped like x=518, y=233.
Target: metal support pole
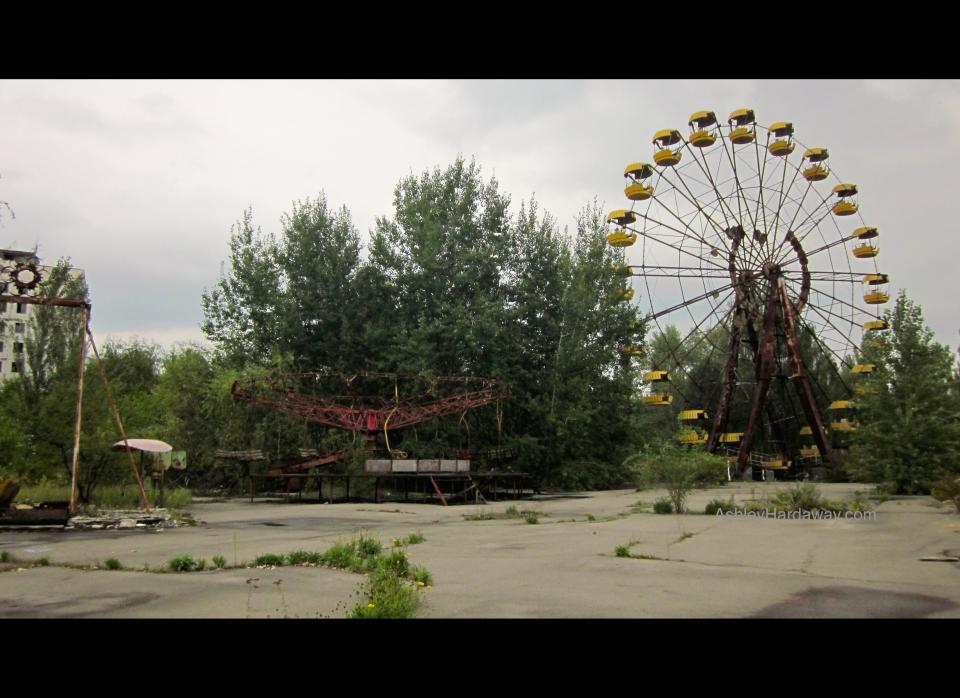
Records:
x=75, y=467
x=144, y=502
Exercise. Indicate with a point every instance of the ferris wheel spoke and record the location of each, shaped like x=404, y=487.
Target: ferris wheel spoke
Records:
x=839, y=300
x=654, y=238
x=692, y=233
x=794, y=227
x=731, y=158
x=678, y=363
x=784, y=191
x=828, y=246
x=713, y=187
x=843, y=362
x=825, y=314
x=762, y=211
x=688, y=302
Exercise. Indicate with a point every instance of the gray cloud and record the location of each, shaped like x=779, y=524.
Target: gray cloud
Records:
x=139, y=181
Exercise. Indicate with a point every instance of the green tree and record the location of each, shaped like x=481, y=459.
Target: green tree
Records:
x=318, y=256
x=909, y=414
x=54, y=336
x=240, y=312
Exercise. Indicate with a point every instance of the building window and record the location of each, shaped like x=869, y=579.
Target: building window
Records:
x=14, y=367
x=3, y=307
x=1, y=346
x=21, y=308
x=18, y=347
x=18, y=327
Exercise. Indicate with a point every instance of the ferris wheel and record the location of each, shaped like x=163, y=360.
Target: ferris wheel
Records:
x=749, y=241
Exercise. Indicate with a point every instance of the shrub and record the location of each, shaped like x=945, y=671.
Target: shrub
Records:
x=663, y=506
x=512, y=512
x=532, y=519
x=678, y=470
x=340, y=556
x=112, y=563
x=388, y=596
x=415, y=538
x=5, y=556
x=622, y=551
x=716, y=505
x=183, y=563
x=421, y=575
x=219, y=561
x=44, y=561
x=301, y=557
x=947, y=489
x=368, y=547
x=802, y=496
x=269, y=560
x=396, y=562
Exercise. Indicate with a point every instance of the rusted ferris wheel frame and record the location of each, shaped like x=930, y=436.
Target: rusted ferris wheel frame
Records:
x=746, y=232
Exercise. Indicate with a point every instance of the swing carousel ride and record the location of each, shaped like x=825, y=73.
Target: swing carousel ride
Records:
x=368, y=404
x=753, y=240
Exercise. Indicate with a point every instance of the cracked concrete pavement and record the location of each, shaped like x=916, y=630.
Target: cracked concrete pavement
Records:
x=562, y=567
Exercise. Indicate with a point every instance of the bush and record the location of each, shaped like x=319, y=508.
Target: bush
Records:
x=678, y=470
x=421, y=576
x=532, y=519
x=341, y=556
x=388, y=596
x=663, y=506
x=415, y=538
x=368, y=547
x=5, y=556
x=947, y=489
x=802, y=496
x=622, y=551
x=396, y=562
x=269, y=560
x=112, y=563
x=183, y=563
x=301, y=557
x=219, y=561
x=716, y=505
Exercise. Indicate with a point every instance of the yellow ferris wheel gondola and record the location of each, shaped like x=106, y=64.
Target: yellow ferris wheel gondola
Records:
x=876, y=296
x=658, y=399
x=867, y=248
x=784, y=144
x=876, y=326
x=817, y=171
x=621, y=238
x=636, y=173
x=742, y=129
x=847, y=205
x=703, y=126
x=664, y=155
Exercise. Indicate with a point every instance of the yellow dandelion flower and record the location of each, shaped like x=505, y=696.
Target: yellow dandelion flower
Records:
x=420, y=584
x=371, y=605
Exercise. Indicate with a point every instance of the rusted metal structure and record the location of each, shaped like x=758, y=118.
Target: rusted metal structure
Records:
x=737, y=234
x=26, y=277
x=366, y=404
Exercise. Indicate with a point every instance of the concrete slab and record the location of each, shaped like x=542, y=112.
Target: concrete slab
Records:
x=563, y=567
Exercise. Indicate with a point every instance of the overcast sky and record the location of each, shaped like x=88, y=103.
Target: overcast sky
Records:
x=138, y=182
